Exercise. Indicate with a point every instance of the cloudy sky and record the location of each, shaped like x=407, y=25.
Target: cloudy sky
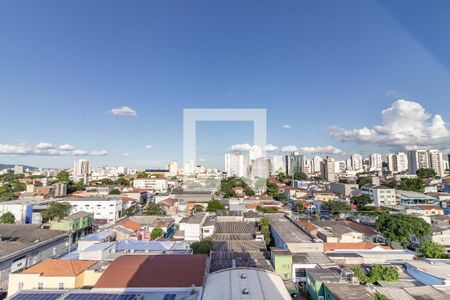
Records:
x=108, y=80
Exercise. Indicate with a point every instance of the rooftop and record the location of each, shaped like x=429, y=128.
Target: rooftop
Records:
x=412, y=195
x=59, y=267
x=78, y=215
x=439, y=270
x=224, y=260
x=352, y=246
x=348, y=291
x=310, y=258
x=146, y=271
x=129, y=224
x=194, y=219
x=288, y=231
x=99, y=236
x=234, y=228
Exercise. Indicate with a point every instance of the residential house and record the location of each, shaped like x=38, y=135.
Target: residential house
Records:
x=191, y=227
x=380, y=195
x=78, y=224
x=56, y=274
x=105, y=210
x=425, y=209
x=336, y=232
x=410, y=198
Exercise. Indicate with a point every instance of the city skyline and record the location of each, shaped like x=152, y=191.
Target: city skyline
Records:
x=113, y=92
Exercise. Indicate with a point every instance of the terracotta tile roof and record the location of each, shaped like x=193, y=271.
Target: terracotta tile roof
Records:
x=59, y=267
x=130, y=225
x=365, y=229
x=352, y=246
x=428, y=206
x=306, y=225
x=128, y=199
x=146, y=271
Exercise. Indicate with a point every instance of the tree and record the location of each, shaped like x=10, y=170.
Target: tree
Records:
x=380, y=296
x=214, y=206
x=336, y=207
x=198, y=208
x=6, y=192
x=300, y=207
x=363, y=181
x=426, y=173
x=7, y=218
x=280, y=197
x=114, y=192
x=227, y=187
x=75, y=186
x=401, y=228
x=56, y=210
x=343, y=180
x=122, y=181
x=376, y=274
x=264, y=227
x=202, y=247
x=272, y=188
x=153, y=210
x=157, y=232
x=130, y=211
x=300, y=176
x=267, y=209
x=63, y=176
x=411, y=184
x=361, y=201
x=141, y=175
x=431, y=249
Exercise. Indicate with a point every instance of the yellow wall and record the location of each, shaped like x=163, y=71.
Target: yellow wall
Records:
x=30, y=281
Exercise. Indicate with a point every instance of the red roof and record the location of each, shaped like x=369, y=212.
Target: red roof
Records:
x=130, y=225
x=151, y=271
x=59, y=267
x=428, y=206
x=306, y=225
x=128, y=199
x=352, y=246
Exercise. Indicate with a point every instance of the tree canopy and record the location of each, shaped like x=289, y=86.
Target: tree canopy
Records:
x=432, y=250
x=264, y=227
x=202, y=247
x=198, y=208
x=376, y=274
x=157, y=232
x=63, y=176
x=227, y=187
x=361, y=181
x=7, y=218
x=267, y=209
x=336, y=207
x=300, y=175
x=214, y=206
x=401, y=228
x=114, y=192
x=56, y=211
x=272, y=188
x=153, y=210
x=426, y=173
x=361, y=201
x=411, y=184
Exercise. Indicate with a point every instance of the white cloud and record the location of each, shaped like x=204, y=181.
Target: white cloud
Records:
x=44, y=146
x=99, y=153
x=287, y=126
x=148, y=146
x=289, y=148
x=46, y=149
x=66, y=147
x=270, y=148
x=393, y=94
x=326, y=149
x=240, y=147
x=124, y=111
x=405, y=125
x=126, y=154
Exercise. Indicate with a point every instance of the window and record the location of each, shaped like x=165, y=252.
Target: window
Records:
x=20, y=286
x=61, y=286
x=40, y=286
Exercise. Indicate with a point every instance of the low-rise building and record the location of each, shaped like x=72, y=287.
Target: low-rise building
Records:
x=425, y=209
x=336, y=232
x=78, y=224
x=56, y=274
x=410, y=198
x=380, y=195
x=192, y=226
x=431, y=272
x=156, y=184
x=104, y=210
x=344, y=189
x=22, y=246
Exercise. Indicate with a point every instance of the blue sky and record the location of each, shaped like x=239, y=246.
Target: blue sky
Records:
x=312, y=64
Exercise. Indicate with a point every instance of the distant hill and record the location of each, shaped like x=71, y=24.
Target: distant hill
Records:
x=5, y=166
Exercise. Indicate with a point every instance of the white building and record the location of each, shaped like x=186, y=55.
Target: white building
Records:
x=380, y=195
x=157, y=184
x=189, y=168
x=235, y=165
x=376, y=162
x=277, y=165
x=436, y=162
x=357, y=162
x=339, y=166
x=80, y=170
x=316, y=164
x=18, y=170
x=173, y=168
x=192, y=227
x=260, y=167
x=426, y=159
x=397, y=162
x=327, y=172
x=254, y=152
x=107, y=210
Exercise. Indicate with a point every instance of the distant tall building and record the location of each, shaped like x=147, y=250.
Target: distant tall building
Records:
x=327, y=172
x=60, y=189
x=339, y=166
x=316, y=164
x=376, y=161
x=357, y=162
x=260, y=167
x=426, y=159
x=173, y=168
x=277, y=165
x=254, y=152
x=189, y=168
x=235, y=165
x=18, y=170
x=397, y=162
x=294, y=163
x=80, y=170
